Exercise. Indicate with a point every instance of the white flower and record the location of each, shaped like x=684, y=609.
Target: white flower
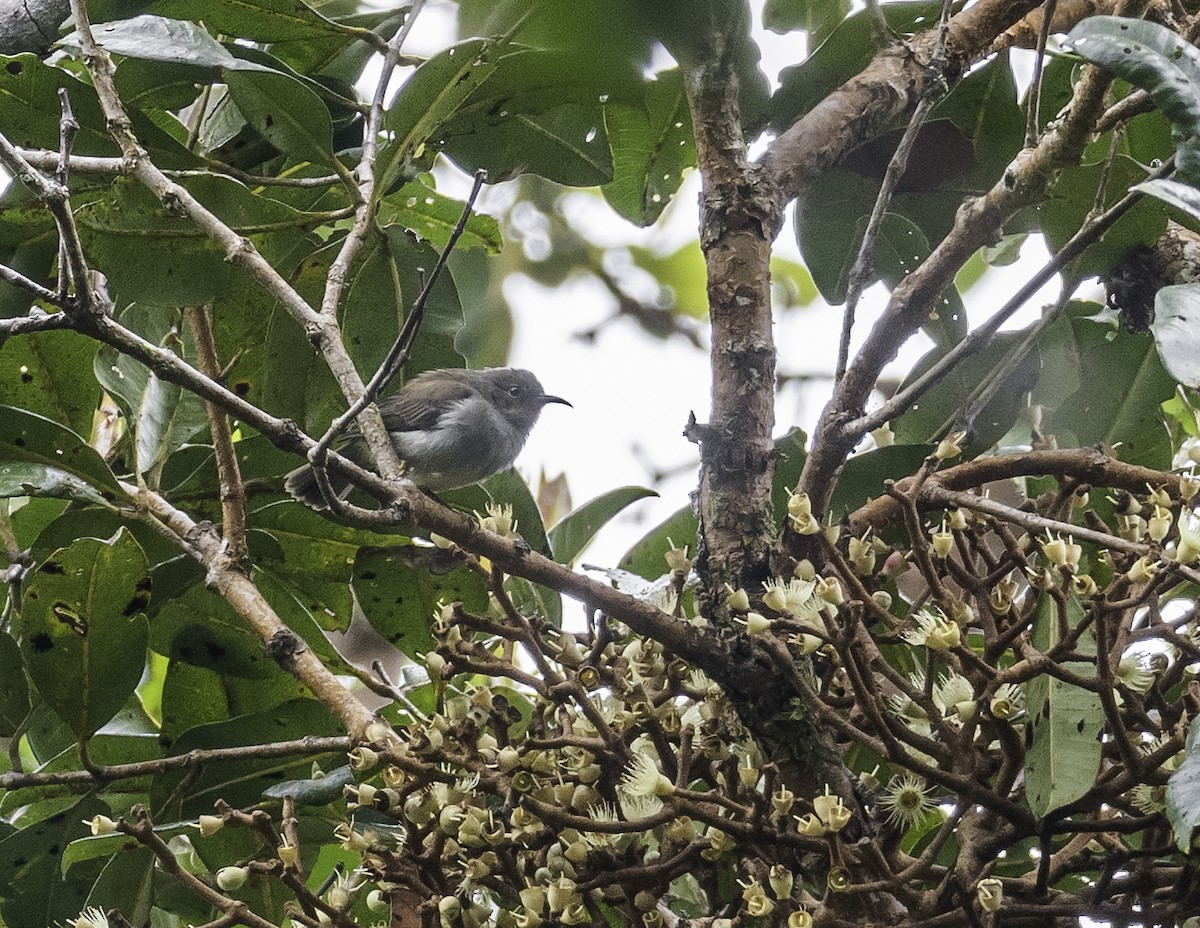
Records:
x=906, y=800
x=643, y=778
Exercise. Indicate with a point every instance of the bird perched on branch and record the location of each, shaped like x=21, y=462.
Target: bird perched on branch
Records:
x=450, y=427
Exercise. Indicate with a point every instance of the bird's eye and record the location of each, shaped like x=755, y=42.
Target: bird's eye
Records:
x=514, y=391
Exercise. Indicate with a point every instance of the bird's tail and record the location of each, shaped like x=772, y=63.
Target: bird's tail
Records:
x=302, y=484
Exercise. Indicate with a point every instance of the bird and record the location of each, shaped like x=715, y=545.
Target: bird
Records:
x=450, y=427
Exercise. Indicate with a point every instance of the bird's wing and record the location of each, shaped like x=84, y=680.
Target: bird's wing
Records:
x=413, y=408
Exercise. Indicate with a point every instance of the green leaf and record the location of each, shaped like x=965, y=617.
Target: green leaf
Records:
x=1066, y=721
x=940, y=409
x=22, y=478
x=163, y=416
x=1176, y=333
x=647, y=556
x=849, y=49
x=652, y=145
x=50, y=373
x=26, y=436
x=816, y=17
x=1149, y=56
x=831, y=234
x=430, y=97
x=28, y=244
x=865, y=475
x=399, y=589
x=242, y=782
x=29, y=112
x=1073, y=200
x=14, y=690
x=35, y=892
x=566, y=144
x=432, y=215
x=156, y=256
x=1183, y=197
x=575, y=531
x=1183, y=792
x=1122, y=408
x=82, y=628
x=157, y=38
x=285, y=112
x=261, y=20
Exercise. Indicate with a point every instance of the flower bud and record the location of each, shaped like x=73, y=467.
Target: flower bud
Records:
x=950, y=447
x=990, y=893
x=229, y=878
x=101, y=825
x=942, y=542
x=884, y=436
x=210, y=825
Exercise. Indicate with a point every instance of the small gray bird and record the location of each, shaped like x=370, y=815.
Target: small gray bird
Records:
x=450, y=427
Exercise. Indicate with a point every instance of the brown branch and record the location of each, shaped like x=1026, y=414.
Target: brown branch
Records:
x=740, y=216
x=141, y=828
x=978, y=222
x=238, y=249
x=1088, y=464
x=868, y=104
x=192, y=760
x=233, y=491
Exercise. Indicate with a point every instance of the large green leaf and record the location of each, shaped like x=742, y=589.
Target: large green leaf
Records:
x=82, y=628
x=34, y=439
x=566, y=144
x=285, y=112
x=1073, y=200
x=575, y=531
x=28, y=244
x=49, y=373
x=1177, y=332
x=418, y=207
x=1103, y=385
x=399, y=590
x=36, y=894
x=1066, y=720
x=652, y=144
x=940, y=409
x=1183, y=791
x=29, y=112
x=14, y=691
x=157, y=38
x=1149, y=56
x=831, y=232
x=816, y=17
x=157, y=256
x=262, y=20
x=241, y=783
x=434, y=93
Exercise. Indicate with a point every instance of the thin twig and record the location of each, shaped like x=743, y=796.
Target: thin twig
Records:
x=860, y=270
x=1039, y=62
x=1089, y=233
x=192, y=759
x=68, y=126
x=233, y=492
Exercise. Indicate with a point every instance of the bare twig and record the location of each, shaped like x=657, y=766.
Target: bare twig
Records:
x=860, y=270
x=191, y=760
x=1088, y=234
x=68, y=126
x=1039, y=62
x=233, y=492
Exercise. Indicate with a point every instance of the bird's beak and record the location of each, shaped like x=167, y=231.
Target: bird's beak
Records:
x=547, y=398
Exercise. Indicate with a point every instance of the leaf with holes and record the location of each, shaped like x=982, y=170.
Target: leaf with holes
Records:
x=83, y=630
